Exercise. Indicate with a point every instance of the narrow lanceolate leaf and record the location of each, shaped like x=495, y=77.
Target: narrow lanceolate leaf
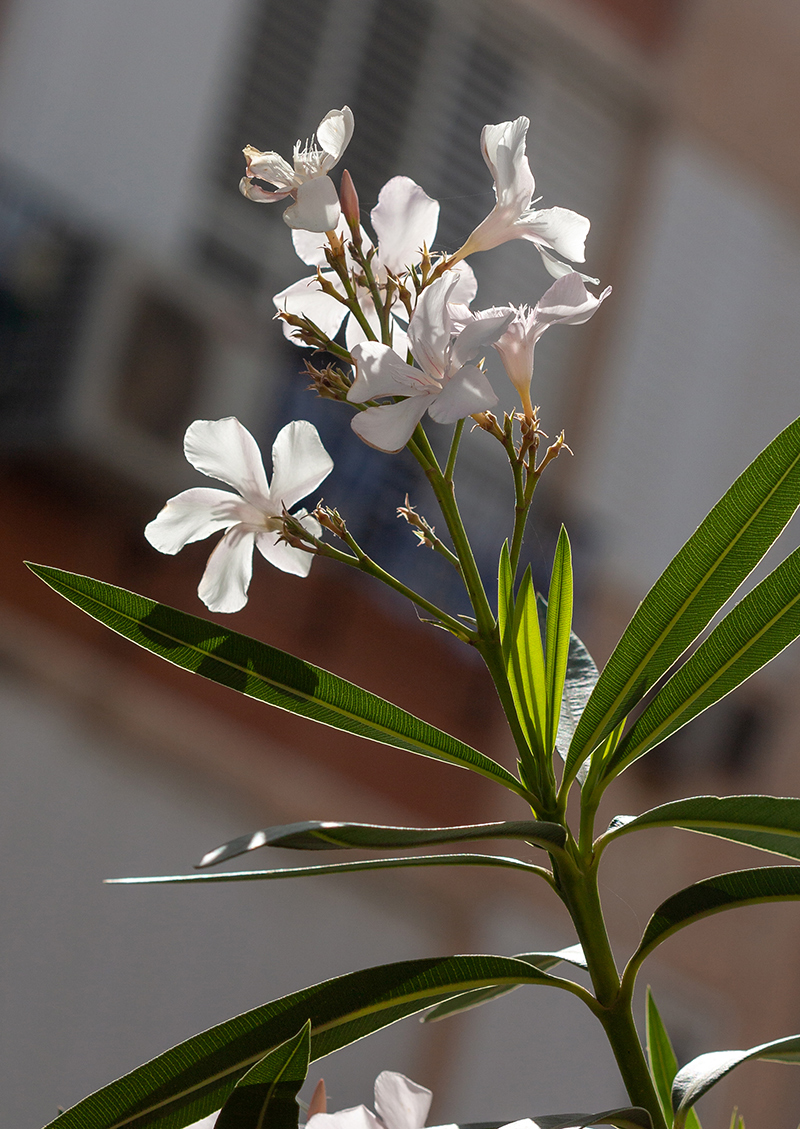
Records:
x=265, y=673
x=468, y=1000
x=314, y=835
x=713, y=895
x=699, y=1075
x=557, y=636
x=194, y=1079
x=663, y=1063
x=580, y=680
x=631, y=1117
x=526, y=664
x=765, y=622
x=505, y=600
x=334, y=868
x=709, y=568
x=266, y=1096
x=769, y=823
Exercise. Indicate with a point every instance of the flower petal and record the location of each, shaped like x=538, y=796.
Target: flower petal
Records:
x=305, y=299
x=559, y=228
x=429, y=330
x=223, y=449
x=281, y=555
x=390, y=426
x=467, y=391
x=299, y=464
x=353, y=332
x=334, y=133
x=404, y=218
x=357, y=1118
x=399, y=1102
x=380, y=372
x=259, y=195
x=271, y=167
x=479, y=334
x=226, y=579
x=317, y=207
x=568, y=302
x=503, y=147
x=194, y=515
x=466, y=288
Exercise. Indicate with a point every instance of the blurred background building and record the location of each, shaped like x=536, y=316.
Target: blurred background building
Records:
x=135, y=296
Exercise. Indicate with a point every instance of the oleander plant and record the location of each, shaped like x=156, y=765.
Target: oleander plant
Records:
x=403, y=344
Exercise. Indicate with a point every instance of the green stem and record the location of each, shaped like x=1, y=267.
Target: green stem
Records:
x=579, y=892
x=451, y=458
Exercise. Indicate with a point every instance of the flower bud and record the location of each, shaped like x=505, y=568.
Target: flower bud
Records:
x=351, y=210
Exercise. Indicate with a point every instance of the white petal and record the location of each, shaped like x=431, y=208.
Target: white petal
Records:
x=399, y=1102
x=467, y=286
x=466, y=392
x=269, y=166
x=399, y=338
x=305, y=299
x=404, y=218
x=358, y=1118
x=226, y=579
x=334, y=133
x=223, y=449
x=299, y=464
x=503, y=148
x=559, y=228
x=194, y=515
x=557, y=269
x=429, y=330
x=479, y=334
x=310, y=245
x=259, y=195
x=568, y=302
x=353, y=333
x=206, y=1123
x=390, y=426
x=283, y=556
x=380, y=372
x=317, y=207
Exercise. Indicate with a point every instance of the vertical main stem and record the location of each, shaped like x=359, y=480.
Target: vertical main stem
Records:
x=578, y=889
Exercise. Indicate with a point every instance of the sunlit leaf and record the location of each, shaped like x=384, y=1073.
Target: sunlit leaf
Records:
x=557, y=636
x=314, y=835
x=712, y=564
x=663, y=1064
x=264, y=672
x=267, y=1094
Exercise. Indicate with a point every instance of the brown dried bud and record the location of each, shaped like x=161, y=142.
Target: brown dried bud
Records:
x=330, y=382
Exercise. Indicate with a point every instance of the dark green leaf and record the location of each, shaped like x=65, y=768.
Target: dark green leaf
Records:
x=631, y=1117
x=754, y=632
x=699, y=1075
x=468, y=1000
x=265, y=673
x=266, y=1096
x=314, y=835
x=557, y=636
x=332, y=868
x=709, y=568
x=663, y=1064
x=194, y=1078
x=770, y=823
x=713, y=895
x=505, y=600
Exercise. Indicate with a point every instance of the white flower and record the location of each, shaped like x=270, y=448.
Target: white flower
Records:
x=316, y=204
x=225, y=450
x=513, y=217
x=405, y=219
x=399, y=1104
x=567, y=302
x=447, y=384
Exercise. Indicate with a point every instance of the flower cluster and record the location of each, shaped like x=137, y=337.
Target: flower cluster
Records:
x=412, y=343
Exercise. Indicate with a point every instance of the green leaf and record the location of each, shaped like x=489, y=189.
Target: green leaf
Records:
x=468, y=1000
x=266, y=1096
x=769, y=823
x=765, y=622
x=663, y=1064
x=631, y=1117
x=265, y=673
x=557, y=636
x=709, y=568
x=314, y=835
x=580, y=680
x=194, y=1078
x=526, y=667
x=332, y=868
x=713, y=895
x=699, y=1075
x=505, y=600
